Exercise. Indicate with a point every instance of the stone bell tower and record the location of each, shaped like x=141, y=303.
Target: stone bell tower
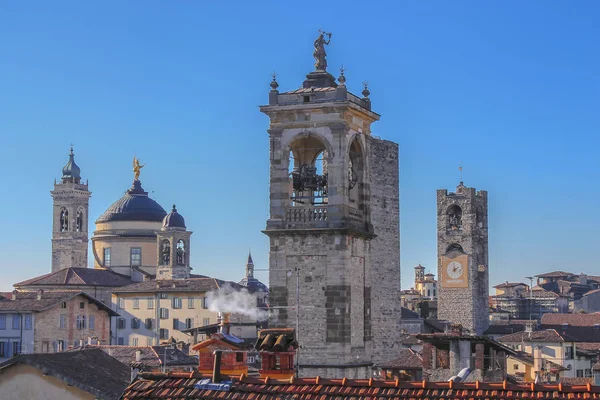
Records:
x=173, y=248
x=70, y=218
x=463, y=257
x=334, y=260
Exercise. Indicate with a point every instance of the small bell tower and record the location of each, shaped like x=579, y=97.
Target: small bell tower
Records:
x=173, y=248
x=70, y=218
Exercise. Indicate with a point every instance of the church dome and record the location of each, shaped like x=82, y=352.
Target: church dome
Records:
x=174, y=219
x=71, y=171
x=135, y=205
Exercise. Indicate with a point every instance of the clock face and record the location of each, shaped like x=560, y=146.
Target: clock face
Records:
x=454, y=270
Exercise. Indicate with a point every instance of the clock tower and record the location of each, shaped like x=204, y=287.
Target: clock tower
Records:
x=463, y=257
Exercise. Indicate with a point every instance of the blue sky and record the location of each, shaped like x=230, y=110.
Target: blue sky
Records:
x=511, y=89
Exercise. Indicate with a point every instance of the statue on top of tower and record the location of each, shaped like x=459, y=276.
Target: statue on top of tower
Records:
x=319, y=54
x=137, y=168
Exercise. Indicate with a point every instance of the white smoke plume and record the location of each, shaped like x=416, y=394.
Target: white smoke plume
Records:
x=230, y=300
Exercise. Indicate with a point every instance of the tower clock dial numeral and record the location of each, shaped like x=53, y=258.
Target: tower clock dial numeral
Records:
x=454, y=270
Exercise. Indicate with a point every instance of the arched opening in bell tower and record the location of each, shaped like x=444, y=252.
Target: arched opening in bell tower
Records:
x=356, y=175
x=307, y=168
x=454, y=218
x=181, y=252
x=64, y=219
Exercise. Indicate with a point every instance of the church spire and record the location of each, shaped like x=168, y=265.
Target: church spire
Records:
x=249, y=266
x=71, y=171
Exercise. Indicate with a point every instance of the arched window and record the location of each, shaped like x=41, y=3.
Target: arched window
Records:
x=454, y=217
x=454, y=247
x=181, y=252
x=308, y=171
x=64, y=219
x=79, y=221
x=355, y=174
x=165, y=252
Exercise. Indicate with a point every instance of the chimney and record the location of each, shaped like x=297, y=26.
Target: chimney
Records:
x=216, y=376
x=14, y=295
x=456, y=330
x=225, y=325
x=40, y=292
x=138, y=355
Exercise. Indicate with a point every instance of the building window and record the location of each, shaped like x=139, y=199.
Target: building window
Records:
x=81, y=305
x=176, y=302
x=81, y=322
x=136, y=303
x=164, y=333
x=134, y=341
x=62, y=322
x=63, y=304
x=135, y=256
x=150, y=303
x=106, y=259
x=148, y=323
x=59, y=345
x=191, y=302
x=188, y=323
x=135, y=323
x=16, y=321
x=204, y=302
x=588, y=373
x=163, y=296
x=28, y=322
x=79, y=220
x=176, y=323
x=428, y=292
x=120, y=323
x=205, y=321
x=149, y=342
x=92, y=322
x=568, y=352
x=121, y=303
x=16, y=348
x=64, y=220
x=580, y=373
x=2, y=321
x=45, y=347
x=2, y=349
x=163, y=313
x=120, y=341
x=239, y=357
x=516, y=367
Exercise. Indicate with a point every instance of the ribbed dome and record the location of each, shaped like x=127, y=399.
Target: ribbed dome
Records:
x=71, y=171
x=174, y=219
x=135, y=205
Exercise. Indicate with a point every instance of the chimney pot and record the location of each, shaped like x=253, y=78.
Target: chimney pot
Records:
x=216, y=377
x=14, y=295
x=138, y=355
x=40, y=292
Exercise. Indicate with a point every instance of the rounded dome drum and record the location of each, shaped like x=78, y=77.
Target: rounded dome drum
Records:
x=174, y=219
x=135, y=205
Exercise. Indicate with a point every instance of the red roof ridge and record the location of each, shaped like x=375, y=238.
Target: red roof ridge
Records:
x=477, y=385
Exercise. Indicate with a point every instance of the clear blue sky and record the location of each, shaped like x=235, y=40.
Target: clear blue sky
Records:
x=511, y=88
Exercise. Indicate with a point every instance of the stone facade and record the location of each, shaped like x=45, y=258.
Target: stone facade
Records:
x=49, y=331
x=462, y=222
x=70, y=224
x=334, y=249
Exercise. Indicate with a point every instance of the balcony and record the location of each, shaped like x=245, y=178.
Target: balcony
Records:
x=317, y=216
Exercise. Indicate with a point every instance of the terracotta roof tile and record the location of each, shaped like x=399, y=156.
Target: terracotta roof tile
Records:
x=27, y=301
x=547, y=335
x=79, y=276
x=407, y=359
x=176, y=285
x=571, y=319
x=181, y=386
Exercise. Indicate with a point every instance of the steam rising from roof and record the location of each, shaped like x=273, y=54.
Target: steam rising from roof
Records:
x=231, y=300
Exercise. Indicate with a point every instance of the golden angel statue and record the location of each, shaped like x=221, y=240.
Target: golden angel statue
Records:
x=137, y=168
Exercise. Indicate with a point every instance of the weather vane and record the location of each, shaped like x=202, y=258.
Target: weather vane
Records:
x=460, y=168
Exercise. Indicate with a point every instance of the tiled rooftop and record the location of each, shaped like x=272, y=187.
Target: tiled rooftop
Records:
x=27, y=301
x=90, y=370
x=79, y=276
x=176, y=285
x=547, y=335
x=406, y=359
x=571, y=319
x=151, y=356
x=182, y=386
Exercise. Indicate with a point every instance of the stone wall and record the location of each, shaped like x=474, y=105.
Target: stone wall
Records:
x=70, y=248
x=384, y=275
x=466, y=306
